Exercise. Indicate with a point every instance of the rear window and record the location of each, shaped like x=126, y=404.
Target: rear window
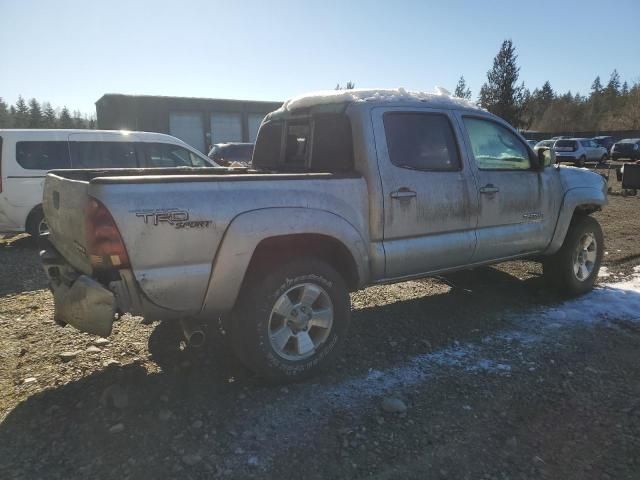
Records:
x=43, y=155
x=421, y=141
x=322, y=143
x=103, y=155
x=565, y=143
x=268, y=145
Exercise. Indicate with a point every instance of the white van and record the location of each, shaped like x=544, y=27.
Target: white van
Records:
x=27, y=155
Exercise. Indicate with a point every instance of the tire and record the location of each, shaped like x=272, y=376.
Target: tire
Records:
x=560, y=268
x=262, y=311
x=36, y=224
x=581, y=161
x=604, y=159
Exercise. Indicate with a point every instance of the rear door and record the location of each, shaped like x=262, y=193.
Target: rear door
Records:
x=516, y=200
x=430, y=204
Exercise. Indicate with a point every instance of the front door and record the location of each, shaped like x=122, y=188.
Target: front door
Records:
x=515, y=214
x=430, y=204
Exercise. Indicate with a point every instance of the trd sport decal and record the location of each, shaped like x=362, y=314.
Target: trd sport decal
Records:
x=175, y=218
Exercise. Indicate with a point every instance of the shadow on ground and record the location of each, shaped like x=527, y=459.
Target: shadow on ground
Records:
x=20, y=267
x=65, y=431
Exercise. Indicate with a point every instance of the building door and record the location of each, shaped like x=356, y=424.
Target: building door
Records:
x=226, y=127
x=188, y=128
x=255, y=119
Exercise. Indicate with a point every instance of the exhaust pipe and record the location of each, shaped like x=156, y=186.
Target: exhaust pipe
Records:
x=193, y=333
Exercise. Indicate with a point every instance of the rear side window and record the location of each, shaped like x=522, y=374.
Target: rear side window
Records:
x=565, y=144
x=421, y=141
x=297, y=146
x=42, y=155
x=164, y=155
x=495, y=147
x=103, y=155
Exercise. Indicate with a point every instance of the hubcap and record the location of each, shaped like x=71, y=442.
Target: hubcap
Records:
x=43, y=227
x=584, y=257
x=300, y=321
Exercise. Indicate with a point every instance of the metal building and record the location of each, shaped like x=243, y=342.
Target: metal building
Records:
x=200, y=122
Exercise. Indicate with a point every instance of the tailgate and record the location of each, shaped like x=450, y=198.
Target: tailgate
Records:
x=64, y=201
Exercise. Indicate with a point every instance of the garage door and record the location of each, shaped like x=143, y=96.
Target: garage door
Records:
x=188, y=127
x=255, y=119
x=226, y=127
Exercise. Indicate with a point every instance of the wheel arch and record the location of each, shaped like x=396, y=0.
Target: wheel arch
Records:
x=31, y=215
x=576, y=202
x=255, y=238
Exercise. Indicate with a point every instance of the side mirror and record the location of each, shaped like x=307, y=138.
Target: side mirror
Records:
x=546, y=157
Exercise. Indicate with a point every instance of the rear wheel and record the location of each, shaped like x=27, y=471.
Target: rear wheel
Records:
x=581, y=161
x=36, y=224
x=574, y=268
x=290, y=320
x=604, y=158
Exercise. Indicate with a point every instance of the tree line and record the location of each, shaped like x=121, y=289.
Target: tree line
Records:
x=34, y=114
x=611, y=106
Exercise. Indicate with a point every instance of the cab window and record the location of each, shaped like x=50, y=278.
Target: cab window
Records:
x=494, y=147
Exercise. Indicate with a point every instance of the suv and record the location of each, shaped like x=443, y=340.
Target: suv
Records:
x=604, y=141
x=27, y=155
x=578, y=151
x=627, y=148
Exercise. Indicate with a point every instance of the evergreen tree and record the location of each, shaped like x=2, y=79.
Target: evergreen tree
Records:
x=596, y=86
x=21, y=116
x=35, y=114
x=50, y=120
x=546, y=94
x=65, y=118
x=613, y=87
x=349, y=86
x=501, y=94
x=462, y=91
x=625, y=89
x=5, y=118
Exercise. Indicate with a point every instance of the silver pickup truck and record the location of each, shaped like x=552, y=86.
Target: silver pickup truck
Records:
x=345, y=190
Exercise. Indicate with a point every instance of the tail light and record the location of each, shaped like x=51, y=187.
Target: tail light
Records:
x=105, y=247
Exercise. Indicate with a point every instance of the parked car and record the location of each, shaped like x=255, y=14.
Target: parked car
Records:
x=27, y=155
x=578, y=151
x=232, y=154
x=532, y=143
x=344, y=193
x=544, y=144
x=604, y=141
x=629, y=148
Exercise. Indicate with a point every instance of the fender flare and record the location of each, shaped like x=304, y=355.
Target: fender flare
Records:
x=573, y=199
x=248, y=229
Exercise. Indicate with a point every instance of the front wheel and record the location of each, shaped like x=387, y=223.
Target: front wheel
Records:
x=290, y=320
x=574, y=268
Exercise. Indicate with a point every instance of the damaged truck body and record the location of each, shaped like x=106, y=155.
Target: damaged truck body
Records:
x=346, y=189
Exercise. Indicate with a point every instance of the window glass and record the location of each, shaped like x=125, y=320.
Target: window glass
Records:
x=103, y=155
x=421, y=141
x=42, y=155
x=267, y=151
x=494, y=147
x=297, y=144
x=332, y=144
x=165, y=155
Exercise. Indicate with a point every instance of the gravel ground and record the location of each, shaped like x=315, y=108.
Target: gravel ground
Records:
x=473, y=382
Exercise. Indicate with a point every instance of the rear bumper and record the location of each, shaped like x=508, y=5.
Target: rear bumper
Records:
x=79, y=300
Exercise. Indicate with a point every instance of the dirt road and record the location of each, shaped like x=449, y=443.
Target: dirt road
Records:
x=498, y=378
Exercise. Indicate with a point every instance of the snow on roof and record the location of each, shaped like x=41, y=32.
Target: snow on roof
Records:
x=440, y=98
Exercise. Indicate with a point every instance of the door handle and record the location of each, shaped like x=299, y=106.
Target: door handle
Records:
x=403, y=192
x=489, y=189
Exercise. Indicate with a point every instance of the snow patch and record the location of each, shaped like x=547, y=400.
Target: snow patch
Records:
x=441, y=97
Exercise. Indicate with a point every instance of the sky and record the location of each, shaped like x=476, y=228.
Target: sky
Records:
x=72, y=52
